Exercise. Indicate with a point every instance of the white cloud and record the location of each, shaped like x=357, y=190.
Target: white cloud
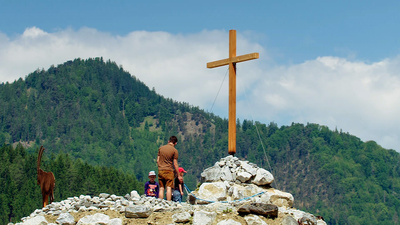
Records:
x=354, y=96
x=358, y=98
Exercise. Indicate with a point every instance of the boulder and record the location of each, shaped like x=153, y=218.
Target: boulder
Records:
x=307, y=219
x=248, y=168
x=243, y=176
x=280, y=198
x=263, y=177
x=203, y=217
x=227, y=175
x=104, y=195
x=219, y=207
x=138, y=211
x=65, y=219
x=299, y=216
x=96, y=219
x=211, y=174
x=115, y=197
x=237, y=192
x=37, y=220
x=288, y=220
x=254, y=220
x=266, y=210
x=96, y=200
x=135, y=195
x=181, y=217
x=115, y=221
x=212, y=191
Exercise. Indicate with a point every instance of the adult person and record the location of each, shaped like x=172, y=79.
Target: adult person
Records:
x=167, y=162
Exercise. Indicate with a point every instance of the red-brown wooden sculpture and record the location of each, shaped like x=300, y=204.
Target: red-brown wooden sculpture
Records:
x=46, y=181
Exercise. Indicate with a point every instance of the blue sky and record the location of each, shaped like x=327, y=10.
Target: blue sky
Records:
x=335, y=63
x=294, y=30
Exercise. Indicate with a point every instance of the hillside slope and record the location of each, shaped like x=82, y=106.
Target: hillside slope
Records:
x=95, y=111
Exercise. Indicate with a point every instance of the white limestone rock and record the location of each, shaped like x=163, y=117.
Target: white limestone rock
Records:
x=213, y=191
x=181, y=217
x=65, y=219
x=289, y=220
x=85, y=197
x=248, y=168
x=104, y=195
x=243, y=176
x=280, y=198
x=98, y=218
x=203, y=217
x=211, y=174
x=96, y=200
x=238, y=192
x=254, y=220
x=221, y=208
x=263, y=177
x=115, y=221
x=37, y=220
x=235, y=193
x=135, y=195
x=298, y=214
x=226, y=174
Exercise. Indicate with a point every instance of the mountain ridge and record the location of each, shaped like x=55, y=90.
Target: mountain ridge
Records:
x=97, y=112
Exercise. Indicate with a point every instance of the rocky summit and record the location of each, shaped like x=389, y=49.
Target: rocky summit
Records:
x=232, y=192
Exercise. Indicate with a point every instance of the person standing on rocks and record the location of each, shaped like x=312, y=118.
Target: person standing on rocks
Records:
x=167, y=162
x=151, y=187
x=178, y=187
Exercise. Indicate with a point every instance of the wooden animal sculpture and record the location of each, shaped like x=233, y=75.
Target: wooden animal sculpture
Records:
x=46, y=181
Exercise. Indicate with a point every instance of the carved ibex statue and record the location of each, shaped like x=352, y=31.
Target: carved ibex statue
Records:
x=46, y=181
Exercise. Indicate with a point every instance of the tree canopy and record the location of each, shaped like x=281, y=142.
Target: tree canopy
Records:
x=93, y=116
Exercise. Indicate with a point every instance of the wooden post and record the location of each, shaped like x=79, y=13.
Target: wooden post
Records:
x=231, y=61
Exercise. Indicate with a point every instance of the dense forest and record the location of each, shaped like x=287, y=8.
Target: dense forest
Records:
x=20, y=195
x=94, y=113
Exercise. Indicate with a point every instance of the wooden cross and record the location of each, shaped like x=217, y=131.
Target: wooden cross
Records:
x=231, y=61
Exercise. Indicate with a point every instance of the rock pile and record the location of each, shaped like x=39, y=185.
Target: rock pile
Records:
x=232, y=169
x=231, y=186
x=233, y=180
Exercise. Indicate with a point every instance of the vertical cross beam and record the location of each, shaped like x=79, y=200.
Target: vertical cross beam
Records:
x=231, y=61
x=232, y=94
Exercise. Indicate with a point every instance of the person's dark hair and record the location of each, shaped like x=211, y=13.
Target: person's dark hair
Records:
x=173, y=139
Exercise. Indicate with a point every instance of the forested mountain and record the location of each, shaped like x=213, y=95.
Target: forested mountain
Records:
x=99, y=114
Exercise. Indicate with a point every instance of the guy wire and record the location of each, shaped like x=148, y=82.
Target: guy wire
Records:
x=262, y=143
x=220, y=87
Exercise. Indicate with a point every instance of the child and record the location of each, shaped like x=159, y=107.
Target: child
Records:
x=151, y=188
x=178, y=187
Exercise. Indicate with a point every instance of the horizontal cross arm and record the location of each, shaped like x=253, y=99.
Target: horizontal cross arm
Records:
x=241, y=58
